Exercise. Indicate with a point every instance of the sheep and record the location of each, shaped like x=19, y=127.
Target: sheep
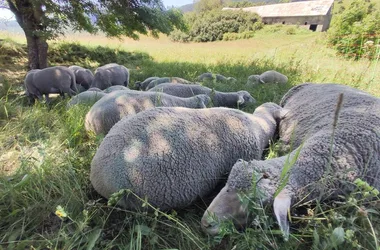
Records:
x=84, y=77
x=87, y=97
x=109, y=110
x=220, y=99
x=172, y=156
x=56, y=79
x=110, y=74
x=115, y=88
x=270, y=76
x=162, y=80
x=145, y=83
x=95, y=89
x=217, y=77
x=80, y=88
x=316, y=122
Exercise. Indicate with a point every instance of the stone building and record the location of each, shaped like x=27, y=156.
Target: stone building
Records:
x=314, y=15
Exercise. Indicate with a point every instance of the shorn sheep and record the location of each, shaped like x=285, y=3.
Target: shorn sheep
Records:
x=162, y=80
x=116, y=105
x=172, y=156
x=109, y=75
x=86, y=97
x=83, y=77
x=219, y=99
x=337, y=139
x=50, y=80
x=270, y=76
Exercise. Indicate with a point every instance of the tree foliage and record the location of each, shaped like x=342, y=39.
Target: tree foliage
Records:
x=42, y=20
x=355, y=32
x=213, y=25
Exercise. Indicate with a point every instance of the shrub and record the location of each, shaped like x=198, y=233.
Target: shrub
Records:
x=179, y=36
x=355, y=32
x=212, y=25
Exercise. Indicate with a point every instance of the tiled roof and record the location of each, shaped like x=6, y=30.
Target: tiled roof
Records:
x=306, y=8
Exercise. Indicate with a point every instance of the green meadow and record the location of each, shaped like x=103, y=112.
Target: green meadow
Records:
x=46, y=198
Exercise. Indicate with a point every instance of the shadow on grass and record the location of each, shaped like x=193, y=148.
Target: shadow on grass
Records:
x=35, y=126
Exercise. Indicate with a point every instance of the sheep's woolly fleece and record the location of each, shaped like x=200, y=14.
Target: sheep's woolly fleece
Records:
x=118, y=104
x=314, y=122
x=172, y=156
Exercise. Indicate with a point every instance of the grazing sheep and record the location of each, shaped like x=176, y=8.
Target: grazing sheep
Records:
x=217, y=77
x=87, y=97
x=318, y=172
x=115, y=88
x=80, y=88
x=172, y=156
x=83, y=76
x=50, y=80
x=95, y=89
x=145, y=83
x=162, y=80
x=111, y=109
x=110, y=74
x=270, y=76
x=220, y=99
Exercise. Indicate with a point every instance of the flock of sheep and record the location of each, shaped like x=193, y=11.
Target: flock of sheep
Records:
x=166, y=145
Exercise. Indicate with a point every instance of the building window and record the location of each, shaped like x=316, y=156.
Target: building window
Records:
x=313, y=27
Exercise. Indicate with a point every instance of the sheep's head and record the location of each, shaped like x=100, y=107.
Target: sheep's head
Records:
x=253, y=80
x=231, y=203
x=256, y=180
x=204, y=100
x=101, y=80
x=270, y=109
x=244, y=97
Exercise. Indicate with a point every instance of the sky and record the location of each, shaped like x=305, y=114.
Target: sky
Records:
x=176, y=2
x=6, y=14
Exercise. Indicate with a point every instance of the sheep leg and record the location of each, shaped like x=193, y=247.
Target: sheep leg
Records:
x=48, y=101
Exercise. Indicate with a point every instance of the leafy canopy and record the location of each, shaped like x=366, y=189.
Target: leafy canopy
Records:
x=355, y=31
x=114, y=18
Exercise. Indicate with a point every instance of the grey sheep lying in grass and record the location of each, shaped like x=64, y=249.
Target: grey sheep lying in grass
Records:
x=219, y=99
x=111, y=109
x=115, y=88
x=217, y=77
x=86, y=97
x=321, y=170
x=109, y=75
x=162, y=80
x=50, y=80
x=83, y=77
x=142, y=85
x=172, y=156
x=270, y=76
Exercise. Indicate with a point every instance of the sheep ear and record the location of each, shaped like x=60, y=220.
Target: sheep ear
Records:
x=241, y=100
x=281, y=113
x=281, y=206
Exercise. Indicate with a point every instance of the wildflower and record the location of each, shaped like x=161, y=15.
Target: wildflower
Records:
x=60, y=212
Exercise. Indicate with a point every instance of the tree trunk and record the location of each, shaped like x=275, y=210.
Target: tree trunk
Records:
x=37, y=52
x=29, y=18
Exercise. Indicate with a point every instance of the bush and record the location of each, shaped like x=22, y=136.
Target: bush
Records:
x=355, y=32
x=179, y=36
x=212, y=25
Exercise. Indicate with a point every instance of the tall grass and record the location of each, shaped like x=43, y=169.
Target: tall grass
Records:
x=46, y=199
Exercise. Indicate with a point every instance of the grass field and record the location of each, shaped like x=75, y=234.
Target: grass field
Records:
x=45, y=153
